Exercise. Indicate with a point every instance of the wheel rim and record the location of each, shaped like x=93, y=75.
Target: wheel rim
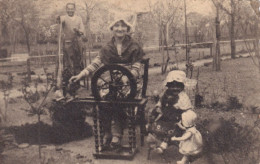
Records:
x=113, y=82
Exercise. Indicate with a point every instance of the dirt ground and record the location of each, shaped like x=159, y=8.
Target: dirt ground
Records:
x=74, y=144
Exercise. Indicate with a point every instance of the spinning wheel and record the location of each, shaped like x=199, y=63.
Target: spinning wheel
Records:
x=113, y=82
x=115, y=86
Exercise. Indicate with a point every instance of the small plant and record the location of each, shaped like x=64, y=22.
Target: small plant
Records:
x=6, y=86
x=233, y=103
x=36, y=98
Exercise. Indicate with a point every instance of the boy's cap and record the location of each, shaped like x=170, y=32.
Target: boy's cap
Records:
x=175, y=75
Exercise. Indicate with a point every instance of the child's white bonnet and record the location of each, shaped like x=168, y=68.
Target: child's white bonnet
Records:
x=175, y=75
x=189, y=118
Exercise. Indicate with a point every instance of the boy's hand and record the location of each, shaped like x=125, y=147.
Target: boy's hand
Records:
x=77, y=32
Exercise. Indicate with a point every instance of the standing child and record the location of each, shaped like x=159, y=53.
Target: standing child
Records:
x=173, y=102
x=191, y=141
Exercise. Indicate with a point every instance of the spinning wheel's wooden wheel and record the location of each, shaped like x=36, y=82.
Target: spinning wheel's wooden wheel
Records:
x=113, y=82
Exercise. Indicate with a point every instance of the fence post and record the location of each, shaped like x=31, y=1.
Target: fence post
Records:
x=211, y=45
x=28, y=69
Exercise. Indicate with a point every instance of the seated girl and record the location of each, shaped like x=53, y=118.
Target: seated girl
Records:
x=123, y=50
x=173, y=102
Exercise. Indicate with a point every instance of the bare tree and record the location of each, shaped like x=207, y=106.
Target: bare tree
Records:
x=90, y=5
x=216, y=38
x=25, y=16
x=4, y=19
x=255, y=4
x=164, y=14
x=231, y=8
x=7, y=12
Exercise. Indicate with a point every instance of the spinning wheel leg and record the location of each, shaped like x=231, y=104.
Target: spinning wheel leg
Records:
x=101, y=132
x=131, y=129
x=95, y=128
x=130, y=134
x=142, y=126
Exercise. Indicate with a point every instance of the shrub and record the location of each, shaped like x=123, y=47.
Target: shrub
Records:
x=62, y=113
x=233, y=103
x=227, y=137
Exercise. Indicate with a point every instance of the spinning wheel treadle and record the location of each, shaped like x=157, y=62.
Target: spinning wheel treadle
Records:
x=113, y=82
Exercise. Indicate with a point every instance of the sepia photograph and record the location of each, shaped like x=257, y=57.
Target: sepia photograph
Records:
x=130, y=81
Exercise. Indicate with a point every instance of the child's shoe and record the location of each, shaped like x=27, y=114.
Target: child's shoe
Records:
x=162, y=148
x=184, y=160
x=70, y=98
x=107, y=141
x=159, y=150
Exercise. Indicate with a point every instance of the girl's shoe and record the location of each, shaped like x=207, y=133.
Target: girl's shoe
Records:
x=107, y=141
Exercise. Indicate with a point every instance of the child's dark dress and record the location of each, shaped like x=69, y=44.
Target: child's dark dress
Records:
x=171, y=107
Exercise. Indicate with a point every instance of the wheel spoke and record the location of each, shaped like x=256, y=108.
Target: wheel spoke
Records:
x=103, y=80
x=122, y=85
x=111, y=75
x=103, y=87
x=120, y=77
x=122, y=94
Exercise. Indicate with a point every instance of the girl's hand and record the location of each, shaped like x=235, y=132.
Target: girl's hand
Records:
x=180, y=125
x=173, y=138
x=76, y=78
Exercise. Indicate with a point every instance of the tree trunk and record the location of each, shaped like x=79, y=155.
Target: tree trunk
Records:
x=216, y=58
x=256, y=45
x=165, y=64
x=88, y=25
x=29, y=52
x=232, y=36
x=161, y=48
